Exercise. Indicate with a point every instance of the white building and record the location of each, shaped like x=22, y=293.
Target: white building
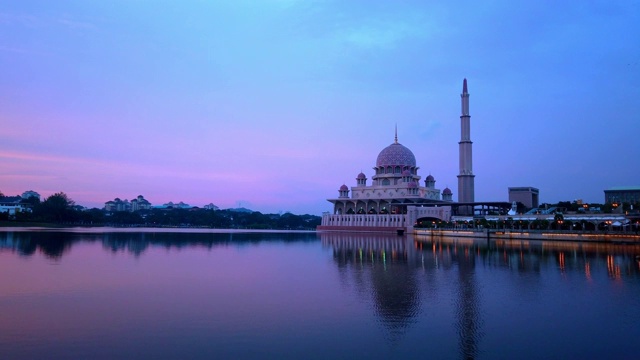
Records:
x=140, y=203
x=12, y=205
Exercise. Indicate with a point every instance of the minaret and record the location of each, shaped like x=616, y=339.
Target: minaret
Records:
x=465, y=179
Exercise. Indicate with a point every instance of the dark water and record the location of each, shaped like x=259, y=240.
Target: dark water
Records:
x=159, y=295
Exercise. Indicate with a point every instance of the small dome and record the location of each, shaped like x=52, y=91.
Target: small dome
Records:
x=396, y=155
x=446, y=191
x=406, y=173
x=430, y=178
x=412, y=185
x=344, y=187
x=361, y=176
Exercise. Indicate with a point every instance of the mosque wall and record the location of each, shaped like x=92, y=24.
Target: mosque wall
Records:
x=384, y=222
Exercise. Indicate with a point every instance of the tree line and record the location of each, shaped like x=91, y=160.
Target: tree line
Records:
x=60, y=209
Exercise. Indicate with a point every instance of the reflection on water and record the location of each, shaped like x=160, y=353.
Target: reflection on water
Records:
x=467, y=306
x=55, y=244
x=396, y=288
x=392, y=283
x=619, y=260
x=387, y=266
x=277, y=295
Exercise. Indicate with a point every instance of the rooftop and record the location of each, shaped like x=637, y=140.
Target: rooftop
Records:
x=624, y=188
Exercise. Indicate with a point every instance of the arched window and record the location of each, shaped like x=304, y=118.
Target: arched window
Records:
x=398, y=171
x=385, y=182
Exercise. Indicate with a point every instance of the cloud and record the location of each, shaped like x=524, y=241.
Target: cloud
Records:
x=33, y=21
x=15, y=50
x=21, y=19
x=73, y=24
x=53, y=164
x=381, y=34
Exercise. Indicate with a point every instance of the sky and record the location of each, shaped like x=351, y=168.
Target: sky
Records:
x=273, y=104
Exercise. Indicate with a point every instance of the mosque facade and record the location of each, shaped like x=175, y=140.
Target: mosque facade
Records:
x=394, y=198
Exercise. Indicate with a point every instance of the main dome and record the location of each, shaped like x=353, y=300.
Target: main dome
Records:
x=396, y=155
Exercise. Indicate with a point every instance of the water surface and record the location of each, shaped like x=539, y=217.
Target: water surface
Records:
x=169, y=294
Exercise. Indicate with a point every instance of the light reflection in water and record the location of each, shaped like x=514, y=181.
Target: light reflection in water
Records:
x=395, y=293
x=419, y=292
x=396, y=290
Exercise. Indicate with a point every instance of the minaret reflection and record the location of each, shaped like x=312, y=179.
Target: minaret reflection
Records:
x=388, y=269
x=451, y=253
x=467, y=303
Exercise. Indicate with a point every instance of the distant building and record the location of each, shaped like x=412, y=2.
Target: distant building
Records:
x=117, y=205
x=180, y=205
x=140, y=203
x=526, y=195
x=16, y=204
x=210, y=206
x=628, y=194
x=12, y=205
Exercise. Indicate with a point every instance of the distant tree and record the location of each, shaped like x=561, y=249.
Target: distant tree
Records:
x=57, y=207
x=126, y=218
x=93, y=216
x=31, y=201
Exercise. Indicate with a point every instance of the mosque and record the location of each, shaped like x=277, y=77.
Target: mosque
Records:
x=395, y=200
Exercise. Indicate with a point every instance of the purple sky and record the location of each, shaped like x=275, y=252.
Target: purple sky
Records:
x=275, y=104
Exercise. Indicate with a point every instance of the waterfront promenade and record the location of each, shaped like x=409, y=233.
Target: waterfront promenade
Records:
x=514, y=234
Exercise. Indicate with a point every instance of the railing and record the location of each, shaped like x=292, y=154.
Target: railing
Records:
x=371, y=220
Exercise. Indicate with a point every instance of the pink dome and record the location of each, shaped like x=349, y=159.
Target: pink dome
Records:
x=344, y=188
x=412, y=185
x=406, y=173
x=361, y=176
x=430, y=178
x=446, y=191
x=396, y=155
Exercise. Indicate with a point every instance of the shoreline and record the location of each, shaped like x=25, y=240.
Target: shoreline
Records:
x=537, y=235
x=140, y=229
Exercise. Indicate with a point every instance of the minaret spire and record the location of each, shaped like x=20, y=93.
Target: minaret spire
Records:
x=466, y=192
x=396, y=138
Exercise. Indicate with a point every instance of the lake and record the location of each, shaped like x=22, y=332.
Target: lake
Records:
x=104, y=293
